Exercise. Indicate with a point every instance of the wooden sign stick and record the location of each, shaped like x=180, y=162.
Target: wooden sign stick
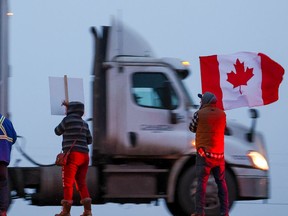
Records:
x=66, y=89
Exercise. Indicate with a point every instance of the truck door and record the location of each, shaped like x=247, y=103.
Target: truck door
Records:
x=156, y=116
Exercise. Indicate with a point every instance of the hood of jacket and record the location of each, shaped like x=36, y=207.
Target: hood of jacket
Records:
x=75, y=107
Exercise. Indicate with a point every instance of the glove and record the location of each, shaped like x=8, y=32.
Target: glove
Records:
x=201, y=152
x=191, y=128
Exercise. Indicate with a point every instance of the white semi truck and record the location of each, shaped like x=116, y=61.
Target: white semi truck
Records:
x=142, y=149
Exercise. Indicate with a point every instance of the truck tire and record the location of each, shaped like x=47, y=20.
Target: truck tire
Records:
x=187, y=190
x=174, y=209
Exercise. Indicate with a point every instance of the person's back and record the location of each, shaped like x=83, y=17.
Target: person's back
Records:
x=76, y=138
x=73, y=127
x=209, y=124
x=211, y=127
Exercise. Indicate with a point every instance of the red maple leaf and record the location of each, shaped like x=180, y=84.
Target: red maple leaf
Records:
x=241, y=76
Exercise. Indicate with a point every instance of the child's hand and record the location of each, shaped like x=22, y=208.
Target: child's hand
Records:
x=64, y=103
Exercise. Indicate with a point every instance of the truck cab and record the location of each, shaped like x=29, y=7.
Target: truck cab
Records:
x=141, y=115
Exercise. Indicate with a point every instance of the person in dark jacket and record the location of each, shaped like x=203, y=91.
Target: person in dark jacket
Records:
x=8, y=137
x=74, y=129
x=209, y=124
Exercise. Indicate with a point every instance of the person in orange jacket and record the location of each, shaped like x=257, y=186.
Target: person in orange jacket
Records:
x=209, y=124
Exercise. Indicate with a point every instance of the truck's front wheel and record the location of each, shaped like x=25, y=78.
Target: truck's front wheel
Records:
x=175, y=209
x=187, y=189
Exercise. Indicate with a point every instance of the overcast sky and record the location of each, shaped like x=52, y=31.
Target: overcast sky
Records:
x=52, y=38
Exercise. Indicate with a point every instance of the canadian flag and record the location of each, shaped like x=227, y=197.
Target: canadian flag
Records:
x=241, y=79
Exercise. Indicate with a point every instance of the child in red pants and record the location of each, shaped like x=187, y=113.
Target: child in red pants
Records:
x=76, y=138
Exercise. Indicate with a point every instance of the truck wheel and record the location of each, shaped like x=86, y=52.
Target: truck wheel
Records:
x=174, y=209
x=187, y=190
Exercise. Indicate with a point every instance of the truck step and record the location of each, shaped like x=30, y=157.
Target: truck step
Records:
x=134, y=169
x=134, y=196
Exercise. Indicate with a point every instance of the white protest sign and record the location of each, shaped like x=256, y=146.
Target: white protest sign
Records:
x=64, y=89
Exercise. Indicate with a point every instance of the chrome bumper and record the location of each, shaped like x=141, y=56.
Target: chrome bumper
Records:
x=253, y=187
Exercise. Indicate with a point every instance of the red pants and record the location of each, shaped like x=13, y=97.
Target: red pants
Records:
x=75, y=172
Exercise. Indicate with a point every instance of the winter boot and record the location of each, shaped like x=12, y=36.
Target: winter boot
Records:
x=66, y=207
x=87, y=206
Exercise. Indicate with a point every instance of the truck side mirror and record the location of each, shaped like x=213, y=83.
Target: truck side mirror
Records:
x=254, y=115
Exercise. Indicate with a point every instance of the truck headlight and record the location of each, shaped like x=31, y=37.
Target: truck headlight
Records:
x=193, y=143
x=258, y=160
